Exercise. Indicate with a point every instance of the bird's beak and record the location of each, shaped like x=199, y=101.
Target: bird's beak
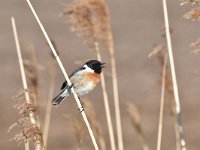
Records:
x=103, y=65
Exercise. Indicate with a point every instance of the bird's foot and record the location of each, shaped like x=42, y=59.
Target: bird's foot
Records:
x=81, y=109
x=71, y=85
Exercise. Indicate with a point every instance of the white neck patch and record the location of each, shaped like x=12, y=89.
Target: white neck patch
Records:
x=88, y=69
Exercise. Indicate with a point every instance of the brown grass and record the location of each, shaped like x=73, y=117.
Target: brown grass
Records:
x=136, y=122
x=30, y=132
x=31, y=128
x=89, y=19
x=95, y=124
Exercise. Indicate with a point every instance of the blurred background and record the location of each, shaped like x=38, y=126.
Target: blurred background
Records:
x=136, y=27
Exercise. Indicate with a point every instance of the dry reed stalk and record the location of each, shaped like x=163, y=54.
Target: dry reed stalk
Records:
x=65, y=75
x=173, y=74
x=31, y=69
x=33, y=118
x=103, y=33
x=106, y=103
x=169, y=89
x=52, y=71
x=78, y=131
x=136, y=121
x=30, y=131
x=160, y=124
x=115, y=92
x=95, y=124
x=49, y=105
x=159, y=50
x=87, y=19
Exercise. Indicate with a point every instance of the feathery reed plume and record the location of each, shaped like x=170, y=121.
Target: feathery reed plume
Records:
x=102, y=10
x=65, y=75
x=196, y=45
x=52, y=75
x=30, y=131
x=136, y=121
x=183, y=2
x=193, y=14
x=173, y=74
x=88, y=19
x=157, y=48
x=29, y=100
x=95, y=124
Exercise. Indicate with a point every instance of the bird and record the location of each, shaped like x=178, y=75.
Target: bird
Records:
x=84, y=79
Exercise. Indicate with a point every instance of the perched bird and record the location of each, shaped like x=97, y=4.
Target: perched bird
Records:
x=83, y=79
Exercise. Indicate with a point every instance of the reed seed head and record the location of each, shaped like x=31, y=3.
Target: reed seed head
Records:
x=193, y=14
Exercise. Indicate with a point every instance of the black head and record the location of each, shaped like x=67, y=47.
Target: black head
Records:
x=95, y=65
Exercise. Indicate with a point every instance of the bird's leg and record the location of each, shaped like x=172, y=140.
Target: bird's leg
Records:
x=81, y=109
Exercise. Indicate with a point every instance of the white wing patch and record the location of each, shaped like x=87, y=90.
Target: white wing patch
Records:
x=65, y=93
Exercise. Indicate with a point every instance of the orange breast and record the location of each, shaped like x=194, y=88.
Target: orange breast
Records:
x=94, y=77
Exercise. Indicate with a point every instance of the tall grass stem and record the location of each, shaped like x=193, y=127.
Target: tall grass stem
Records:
x=162, y=99
x=49, y=105
x=173, y=74
x=65, y=75
x=106, y=102
x=33, y=118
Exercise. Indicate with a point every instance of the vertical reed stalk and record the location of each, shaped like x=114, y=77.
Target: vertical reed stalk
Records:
x=33, y=117
x=115, y=91
x=89, y=19
x=49, y=105
x=136, y=122
x=95, y=124
x=173, y=74
x=176, y=126
x=106, y=103
x=160, y=125
x=65, y=75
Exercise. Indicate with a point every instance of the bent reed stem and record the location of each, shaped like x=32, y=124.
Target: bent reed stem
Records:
x=65, y=75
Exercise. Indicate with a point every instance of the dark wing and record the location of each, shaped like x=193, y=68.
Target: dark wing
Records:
x=64, y=85
x=74, y=72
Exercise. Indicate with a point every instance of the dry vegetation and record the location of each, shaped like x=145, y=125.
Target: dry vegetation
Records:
x=90, y=19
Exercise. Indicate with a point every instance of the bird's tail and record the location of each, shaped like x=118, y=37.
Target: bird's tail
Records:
x=60, y=97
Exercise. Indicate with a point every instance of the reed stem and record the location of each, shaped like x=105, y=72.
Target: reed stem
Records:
x=160, y=125
x=65, y=75
x=33, y=118
x=173, y=74
x=106, y=103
